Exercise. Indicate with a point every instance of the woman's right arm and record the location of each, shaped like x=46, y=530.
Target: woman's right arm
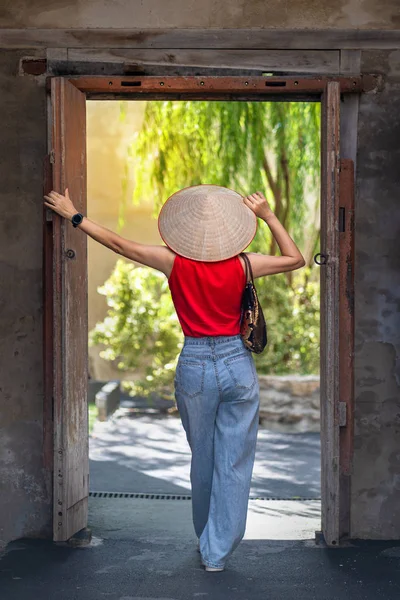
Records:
x=156, y=257
x=264, y=264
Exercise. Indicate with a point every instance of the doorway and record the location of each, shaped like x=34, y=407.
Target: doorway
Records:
x=70, y=277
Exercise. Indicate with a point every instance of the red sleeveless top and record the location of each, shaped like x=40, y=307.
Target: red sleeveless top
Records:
x=207, y=295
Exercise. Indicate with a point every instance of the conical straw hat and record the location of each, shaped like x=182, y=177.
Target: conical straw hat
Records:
x=207, y=223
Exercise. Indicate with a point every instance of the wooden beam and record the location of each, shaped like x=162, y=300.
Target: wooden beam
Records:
x=270, y=61
x=207, y=86
x=257, y=38
x=350, y=62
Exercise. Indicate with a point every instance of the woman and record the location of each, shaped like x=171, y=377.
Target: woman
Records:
x=205, y=229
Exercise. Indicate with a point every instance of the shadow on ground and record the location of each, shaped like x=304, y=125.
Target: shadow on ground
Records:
x=150, y=454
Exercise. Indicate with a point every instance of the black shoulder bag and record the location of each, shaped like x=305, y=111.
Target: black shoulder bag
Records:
x=253, y=328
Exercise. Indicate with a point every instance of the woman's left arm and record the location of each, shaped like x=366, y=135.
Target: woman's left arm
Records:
x=263, y=264
x=157, y=257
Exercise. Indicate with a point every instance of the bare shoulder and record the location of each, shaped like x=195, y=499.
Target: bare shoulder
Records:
x=250, y=256
x=157, y=257
x=167, y=257
x=160, y=258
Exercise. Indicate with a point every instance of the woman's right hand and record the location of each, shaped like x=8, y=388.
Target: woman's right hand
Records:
x=62, y=205
x=259, y=205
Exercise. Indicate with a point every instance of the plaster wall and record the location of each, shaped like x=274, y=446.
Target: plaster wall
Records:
x=376, y=470
x=108, y=141
x=25, y=484
x=357, y=14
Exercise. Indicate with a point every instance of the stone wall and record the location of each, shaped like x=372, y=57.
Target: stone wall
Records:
x=290, y=403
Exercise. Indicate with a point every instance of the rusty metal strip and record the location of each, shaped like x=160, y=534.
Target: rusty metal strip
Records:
x=216, y=85
x=346, y=337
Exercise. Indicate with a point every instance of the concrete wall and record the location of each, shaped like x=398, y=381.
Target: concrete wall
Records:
x=376, y=479
x=357, y=14
x=24, y=482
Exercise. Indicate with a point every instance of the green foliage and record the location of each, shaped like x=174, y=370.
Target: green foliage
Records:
x=248, y=146
x=92, y=415
x=141, y=330
x=292, y=315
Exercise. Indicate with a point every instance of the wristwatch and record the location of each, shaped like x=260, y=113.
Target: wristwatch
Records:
x=77, y=219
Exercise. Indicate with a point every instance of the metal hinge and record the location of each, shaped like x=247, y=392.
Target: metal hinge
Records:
x=52, y=157
x=342, y=414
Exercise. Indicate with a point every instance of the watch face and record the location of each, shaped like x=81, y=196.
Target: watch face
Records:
x=77, y=219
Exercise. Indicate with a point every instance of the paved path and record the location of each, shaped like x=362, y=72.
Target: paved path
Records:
x=150, y=454
x=145, y=549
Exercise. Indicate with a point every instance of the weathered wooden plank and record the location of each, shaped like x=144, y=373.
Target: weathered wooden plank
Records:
x=287, y=61
x=256, y=38
x=348, y=126
x=346, y=339
x=330, y=314
x=71, y=468
x=56, y=55
x=350, y=62
x=76, y=515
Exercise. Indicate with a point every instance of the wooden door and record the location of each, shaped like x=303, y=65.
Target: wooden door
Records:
x=329, y=364
x=70, y=322
x=346, y=341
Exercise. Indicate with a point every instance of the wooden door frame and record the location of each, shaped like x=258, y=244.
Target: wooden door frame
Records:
x=222, y=88
x=216, y=87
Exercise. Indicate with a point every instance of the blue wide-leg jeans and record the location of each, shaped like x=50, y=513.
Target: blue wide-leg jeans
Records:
x=217, y=395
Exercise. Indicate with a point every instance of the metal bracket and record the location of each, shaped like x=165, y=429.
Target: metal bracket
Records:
x=342, y=219
x=69, y=253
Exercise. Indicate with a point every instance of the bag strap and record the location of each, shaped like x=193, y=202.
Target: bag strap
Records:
x=249, y=270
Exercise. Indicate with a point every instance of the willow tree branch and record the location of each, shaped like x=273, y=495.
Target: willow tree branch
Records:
x=286, y=178
x=313, y=248
x=271, y=181
x=276, y=192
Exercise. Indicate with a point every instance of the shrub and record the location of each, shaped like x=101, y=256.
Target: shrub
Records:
x=141, y=330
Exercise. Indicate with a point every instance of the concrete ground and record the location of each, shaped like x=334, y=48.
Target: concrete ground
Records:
x=145, y=549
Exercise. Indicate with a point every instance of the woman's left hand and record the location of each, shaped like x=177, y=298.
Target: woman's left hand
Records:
x=259, y=205
x=62, y=205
